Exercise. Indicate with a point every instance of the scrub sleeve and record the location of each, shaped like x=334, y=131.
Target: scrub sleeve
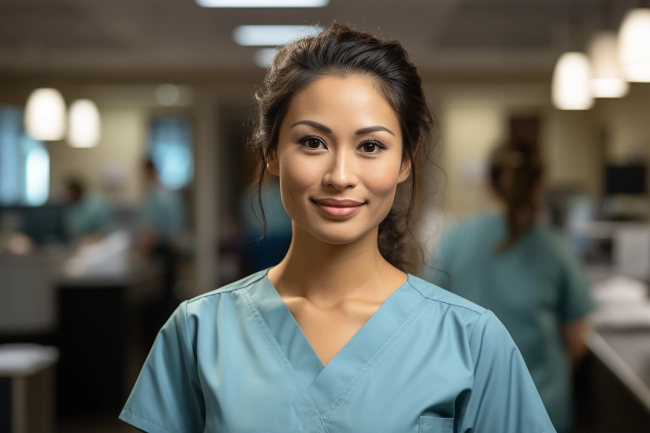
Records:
x=504, y=398
x=167, y=396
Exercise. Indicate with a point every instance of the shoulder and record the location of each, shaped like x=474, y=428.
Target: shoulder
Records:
x=214, y=295
x=478, y=324
x=473, y=228
x=444, y=297
x=554, y=241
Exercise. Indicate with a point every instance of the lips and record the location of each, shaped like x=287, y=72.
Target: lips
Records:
x=338, y=208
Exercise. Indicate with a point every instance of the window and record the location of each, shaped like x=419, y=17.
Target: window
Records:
x=24, y=162
x=170, y=148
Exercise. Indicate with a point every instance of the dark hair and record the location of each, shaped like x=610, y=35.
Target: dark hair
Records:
x=515, y=171
x=340, y=50
x=76, y=185
x=149, y=165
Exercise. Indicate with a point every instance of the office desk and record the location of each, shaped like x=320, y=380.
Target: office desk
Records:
x=627, y=355
x=95, y=327
x=612, y=385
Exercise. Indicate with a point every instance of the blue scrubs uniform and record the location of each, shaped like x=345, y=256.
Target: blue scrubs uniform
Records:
x=534, y=288
x=164, y=211
x=91, y=215
x=235, y=360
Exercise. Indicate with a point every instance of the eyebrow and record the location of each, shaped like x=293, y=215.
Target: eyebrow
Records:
x=324, y=128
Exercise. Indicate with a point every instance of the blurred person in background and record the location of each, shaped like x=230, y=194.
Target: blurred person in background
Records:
x=524, y=272
x=162, y=224
x=338, y=336
x=265, y=245
x=88, y=217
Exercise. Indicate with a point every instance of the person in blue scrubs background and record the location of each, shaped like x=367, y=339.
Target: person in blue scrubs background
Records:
x=162, y=222
x=338, y=336
x=162, y=216
x=88, y=216
x=524, y=272
x=264, y=251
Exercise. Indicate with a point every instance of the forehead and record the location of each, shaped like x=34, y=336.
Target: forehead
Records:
x=339, y=102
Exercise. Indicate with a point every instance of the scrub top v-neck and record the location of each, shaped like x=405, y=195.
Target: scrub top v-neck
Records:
x=235, y=360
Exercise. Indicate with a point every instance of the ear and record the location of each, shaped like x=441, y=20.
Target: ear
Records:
x=404, y=170
x=272, y=163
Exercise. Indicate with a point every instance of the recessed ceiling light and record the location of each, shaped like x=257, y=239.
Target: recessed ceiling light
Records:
x=262, y=3
x=270, y=36
x=265, y=56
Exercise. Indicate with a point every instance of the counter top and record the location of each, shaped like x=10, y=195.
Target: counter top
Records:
x=627, y=354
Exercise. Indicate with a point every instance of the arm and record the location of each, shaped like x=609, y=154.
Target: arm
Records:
x=503, y=397
x=167, y=397
x=575, y=335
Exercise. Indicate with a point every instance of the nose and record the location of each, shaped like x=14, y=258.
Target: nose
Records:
x=341, y=173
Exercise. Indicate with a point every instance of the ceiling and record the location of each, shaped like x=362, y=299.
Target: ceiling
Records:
x=86, y=37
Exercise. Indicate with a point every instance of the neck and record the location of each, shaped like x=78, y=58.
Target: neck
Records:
x=330, y=272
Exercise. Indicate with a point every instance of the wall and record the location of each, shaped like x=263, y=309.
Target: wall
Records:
x=114, y=165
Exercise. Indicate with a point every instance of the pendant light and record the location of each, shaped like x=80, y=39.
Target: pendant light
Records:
x=607, y=78
x=571, y=88
x=634, y=45
x=84, y=127
x=45, y=115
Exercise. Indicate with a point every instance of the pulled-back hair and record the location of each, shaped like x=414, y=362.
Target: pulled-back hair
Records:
x=340, y=50
x=515, y=171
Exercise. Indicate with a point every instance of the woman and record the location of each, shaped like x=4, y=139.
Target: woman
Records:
x=526, y=274
x=337, y=337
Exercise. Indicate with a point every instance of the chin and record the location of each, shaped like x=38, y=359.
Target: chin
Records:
x=338, y=233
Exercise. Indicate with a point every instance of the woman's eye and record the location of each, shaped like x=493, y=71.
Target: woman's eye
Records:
x=371, y=147
x=312, y=142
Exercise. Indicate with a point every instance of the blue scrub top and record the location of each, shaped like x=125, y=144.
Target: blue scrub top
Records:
x=164, y=211
x=534, y=288
x=235, y=360
x=92, y=214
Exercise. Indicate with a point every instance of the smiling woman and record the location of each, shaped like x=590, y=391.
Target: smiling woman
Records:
x=337, y=337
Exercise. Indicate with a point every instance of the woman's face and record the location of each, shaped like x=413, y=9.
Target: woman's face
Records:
x=339, y=158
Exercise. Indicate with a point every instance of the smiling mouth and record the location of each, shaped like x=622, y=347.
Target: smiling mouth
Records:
x=339, y=209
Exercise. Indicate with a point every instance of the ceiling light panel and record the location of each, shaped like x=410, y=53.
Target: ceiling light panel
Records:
x=262, y=3
x=271, y=36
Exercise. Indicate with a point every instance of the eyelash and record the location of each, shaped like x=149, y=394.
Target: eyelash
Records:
x=303, y=140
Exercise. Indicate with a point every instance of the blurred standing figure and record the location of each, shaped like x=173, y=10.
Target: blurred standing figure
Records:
x=162, y=221
x=89, y=216
x=524, y=272
x=270, y=251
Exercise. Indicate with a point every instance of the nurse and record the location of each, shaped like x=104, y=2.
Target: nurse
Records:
x=88, y=217
x=338, y=337
x=526, y=274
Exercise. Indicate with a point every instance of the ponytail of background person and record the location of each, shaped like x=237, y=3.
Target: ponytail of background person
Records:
x=516, y=171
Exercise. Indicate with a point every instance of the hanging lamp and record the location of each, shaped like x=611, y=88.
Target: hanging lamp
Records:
x=45, y=115
x=634, y=44
x=607, y=79
x=571, y=88
x=84, y=127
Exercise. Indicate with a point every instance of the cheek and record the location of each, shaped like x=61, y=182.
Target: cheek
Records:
x=297, y=175
x=381, y=179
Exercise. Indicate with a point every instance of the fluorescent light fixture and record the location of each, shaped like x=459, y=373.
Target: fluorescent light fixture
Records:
x=634, y=45
x=262, y=3
x=265, y=56
x=571, y=88
x=84, y=127
x=168, y=94
x=607, y=78
x=271, y=36
x=45, y=115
